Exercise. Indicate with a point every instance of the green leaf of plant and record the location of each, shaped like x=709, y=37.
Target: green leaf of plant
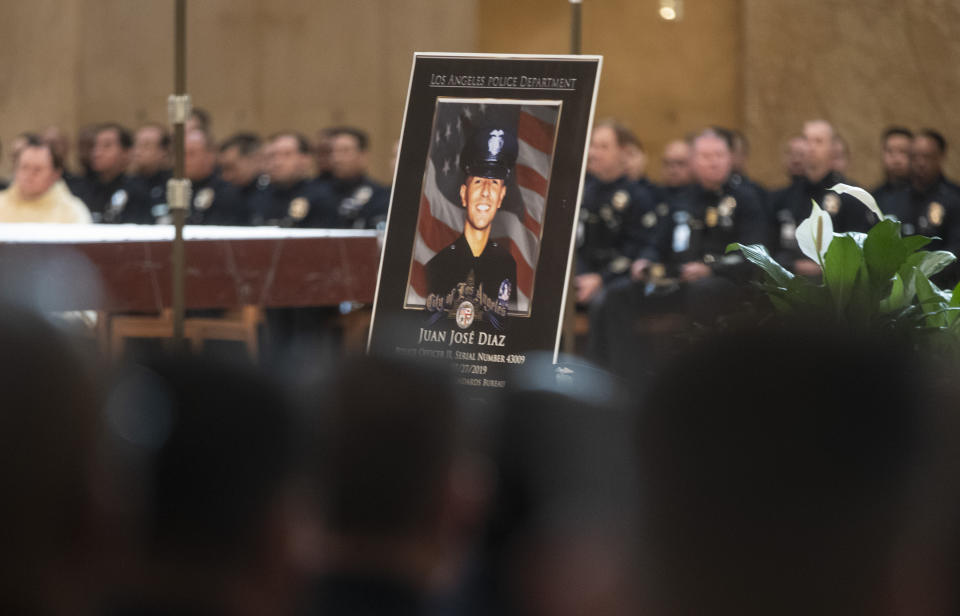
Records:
x=884, y=252
x=916, y=242
x=840, y=267
x=897, y=299
x=758, y=255
x=931, y=301
x=931, y=263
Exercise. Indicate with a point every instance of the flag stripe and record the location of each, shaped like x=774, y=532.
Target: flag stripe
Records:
x=435, y=233
x=536, y=132
x=530, y=223
x=534, y=203
x=528, y=178
x=533, y=158
x=524, y=271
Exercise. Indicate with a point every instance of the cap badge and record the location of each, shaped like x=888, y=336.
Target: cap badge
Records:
x=495, y=143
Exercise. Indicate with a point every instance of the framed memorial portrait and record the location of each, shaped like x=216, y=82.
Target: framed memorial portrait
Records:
x=479, y=241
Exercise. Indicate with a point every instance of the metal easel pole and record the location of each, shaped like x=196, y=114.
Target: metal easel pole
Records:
x=570, y=310
x=178, y=188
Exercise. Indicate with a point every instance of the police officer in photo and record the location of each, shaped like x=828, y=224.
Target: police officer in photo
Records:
x=474, y=259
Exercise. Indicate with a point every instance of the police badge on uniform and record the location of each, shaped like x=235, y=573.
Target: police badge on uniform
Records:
x=711, y=217
x=620, y=200
x=726, y=207
x=831, y=203
x=118, y=201
x=935, y=214
x=203, y=199
x=299, y=208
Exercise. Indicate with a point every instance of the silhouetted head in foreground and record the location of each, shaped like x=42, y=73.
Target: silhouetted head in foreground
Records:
x=398, y=498
x=48, y=432
x=781, y=474
x=221, y=473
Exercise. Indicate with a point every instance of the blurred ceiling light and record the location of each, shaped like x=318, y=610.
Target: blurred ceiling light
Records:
x=671, y=10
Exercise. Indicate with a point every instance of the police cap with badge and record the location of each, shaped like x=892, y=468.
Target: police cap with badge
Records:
x=489, y=152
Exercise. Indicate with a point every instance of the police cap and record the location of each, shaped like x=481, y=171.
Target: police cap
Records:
x=489, y=152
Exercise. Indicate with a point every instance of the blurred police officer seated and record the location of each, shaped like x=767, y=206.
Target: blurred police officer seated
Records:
x=895, y=159
x=930, y=205
x=618, y=217
x=293, y=200
x=793, y=205
x=695, y=281
x=150, y=165
x=241, y=161
x=360, y=202
x=109, y=193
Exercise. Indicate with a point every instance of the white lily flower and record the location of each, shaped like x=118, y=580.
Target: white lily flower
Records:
x=862, y=196
x=815, y=234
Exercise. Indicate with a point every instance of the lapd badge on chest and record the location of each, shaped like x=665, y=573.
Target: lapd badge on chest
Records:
x=649, y=220
x=711, y=217
x=118, y=202
x=299, y=208
x=831, y=203
x=935, y=214
x=726, y=206
x=203, y=199
x=620, y=200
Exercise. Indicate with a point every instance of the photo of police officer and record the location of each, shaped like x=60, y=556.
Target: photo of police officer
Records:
x=487, y=159
x=482, y=207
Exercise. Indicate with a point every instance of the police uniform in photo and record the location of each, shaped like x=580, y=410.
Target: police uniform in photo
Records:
x=359, y=204
x=491, y=276
x=793, y=206
x=619, y=223
x=301, y=204
x=933, y=212
x=120, y=200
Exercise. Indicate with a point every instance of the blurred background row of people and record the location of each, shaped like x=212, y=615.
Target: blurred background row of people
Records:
x=121, y=176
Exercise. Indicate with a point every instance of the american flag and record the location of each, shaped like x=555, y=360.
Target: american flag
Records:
x=520, y=220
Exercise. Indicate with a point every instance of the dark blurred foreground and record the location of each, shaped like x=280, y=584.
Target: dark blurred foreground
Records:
x=786, y=471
